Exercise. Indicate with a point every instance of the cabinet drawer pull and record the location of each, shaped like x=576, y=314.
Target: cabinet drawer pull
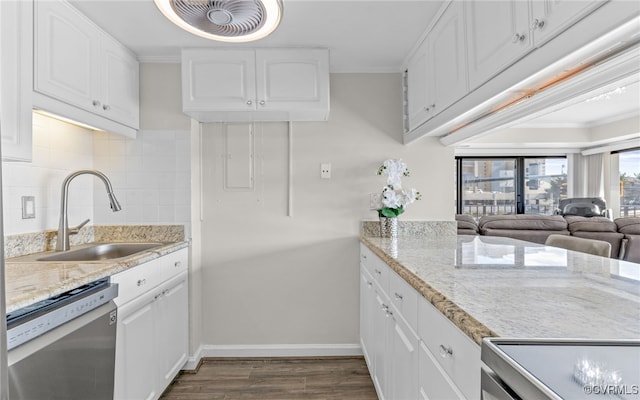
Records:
x=518, y=38
x=249, y=102
x=96, y=103
x=369, y=283
x=384, y=306
x=262, y=102
x=177, y=264
x=398, y=296
x=445, y=351
x=537, y=24
x=106, y=107
x=377, y=271
x=142, y=282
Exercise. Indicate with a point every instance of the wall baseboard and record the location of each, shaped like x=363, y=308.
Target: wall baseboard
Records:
x=269, y=350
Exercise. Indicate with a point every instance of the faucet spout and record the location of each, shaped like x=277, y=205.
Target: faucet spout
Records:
x=62, y=243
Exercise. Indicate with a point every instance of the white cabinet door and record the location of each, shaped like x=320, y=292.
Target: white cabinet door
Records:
x=136, y=372
x=289, y=80
x=380, y=345
x=418, y=101
x=16, y=76
x=172, y=318
x=67, y=50
x=222, y=80
x=120, y=77
x=404, y=359
x=447, y=60
x=497, y=36
x=551, y=17
x=367, y=303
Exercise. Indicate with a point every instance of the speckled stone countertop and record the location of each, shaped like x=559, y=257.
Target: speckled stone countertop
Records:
x=491, y=286
x=30, y=281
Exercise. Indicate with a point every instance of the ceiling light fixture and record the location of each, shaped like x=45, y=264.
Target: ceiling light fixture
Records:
x=234, y=21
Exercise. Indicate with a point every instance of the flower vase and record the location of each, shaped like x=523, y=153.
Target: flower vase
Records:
x=389, y=227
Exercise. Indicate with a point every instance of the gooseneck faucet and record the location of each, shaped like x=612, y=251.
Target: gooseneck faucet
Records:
x=64, y=231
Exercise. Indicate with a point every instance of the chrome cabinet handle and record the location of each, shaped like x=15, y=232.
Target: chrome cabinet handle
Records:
x=445, y=351
x=518, y=38
x=249, y=102
x=96, y=103
x=177, y=264
x=398, y=296
x=537, y=24
x=142, y=282
x=377, y=271
x=262, y=102
x=106, y=107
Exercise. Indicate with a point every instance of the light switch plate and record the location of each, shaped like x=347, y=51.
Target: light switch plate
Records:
x=28, y=207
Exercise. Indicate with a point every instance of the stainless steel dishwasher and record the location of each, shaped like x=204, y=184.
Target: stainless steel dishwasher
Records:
x=64, y=347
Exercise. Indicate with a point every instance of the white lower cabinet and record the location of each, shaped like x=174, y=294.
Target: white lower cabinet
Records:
x=420, y=355
x=152, y=334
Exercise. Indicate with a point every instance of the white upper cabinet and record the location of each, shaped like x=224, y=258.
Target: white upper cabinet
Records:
x=447, y=59
x=16, y=44
x=551, y=17
x=78, y=67
x=255, y=85
x=497, y=36
x=418, y=81
x=120, y=86
x=222, y=80
x=437, y=71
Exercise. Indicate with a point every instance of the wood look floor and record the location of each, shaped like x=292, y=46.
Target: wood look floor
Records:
x=334, y=378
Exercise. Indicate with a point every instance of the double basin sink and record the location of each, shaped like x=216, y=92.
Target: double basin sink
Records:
x=91, y=252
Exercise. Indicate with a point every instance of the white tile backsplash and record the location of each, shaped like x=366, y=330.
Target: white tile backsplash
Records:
x=59, y=148
x=150, y=177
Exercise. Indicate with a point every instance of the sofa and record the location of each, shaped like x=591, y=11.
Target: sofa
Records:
x=623, y=233
x=630, y=228
x=533, y=228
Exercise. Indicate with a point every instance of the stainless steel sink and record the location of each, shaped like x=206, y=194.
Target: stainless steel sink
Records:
x=98, y=252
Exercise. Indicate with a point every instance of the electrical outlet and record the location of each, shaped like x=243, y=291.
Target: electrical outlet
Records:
x=325, y=171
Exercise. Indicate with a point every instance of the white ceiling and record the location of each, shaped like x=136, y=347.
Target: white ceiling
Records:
x=362, y=36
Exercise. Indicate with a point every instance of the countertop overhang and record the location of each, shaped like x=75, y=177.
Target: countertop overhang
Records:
x=492, y=286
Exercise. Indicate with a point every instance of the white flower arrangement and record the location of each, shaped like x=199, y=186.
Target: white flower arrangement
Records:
x=394, y=199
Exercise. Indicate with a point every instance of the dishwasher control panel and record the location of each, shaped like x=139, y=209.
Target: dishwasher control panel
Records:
x=32, y=321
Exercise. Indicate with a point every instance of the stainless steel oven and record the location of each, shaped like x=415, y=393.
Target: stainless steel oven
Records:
x=64, y=347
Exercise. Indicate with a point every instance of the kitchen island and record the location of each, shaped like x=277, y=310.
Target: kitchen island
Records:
x=427, y=302
x=492, y=286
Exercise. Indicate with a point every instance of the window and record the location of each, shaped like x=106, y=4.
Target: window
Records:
x=629, y=167
x=509, y=185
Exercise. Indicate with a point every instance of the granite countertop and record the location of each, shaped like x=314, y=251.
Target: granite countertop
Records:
x=27, y=281
x=491, y=286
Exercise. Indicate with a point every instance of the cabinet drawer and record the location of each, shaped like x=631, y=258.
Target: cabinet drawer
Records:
x=434, y=382
x=405, y=299
x=138, y=280
x=174, y=263
x=378, y=269
x=456, y=353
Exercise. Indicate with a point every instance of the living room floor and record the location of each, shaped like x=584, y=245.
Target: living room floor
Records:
x=330, y=378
